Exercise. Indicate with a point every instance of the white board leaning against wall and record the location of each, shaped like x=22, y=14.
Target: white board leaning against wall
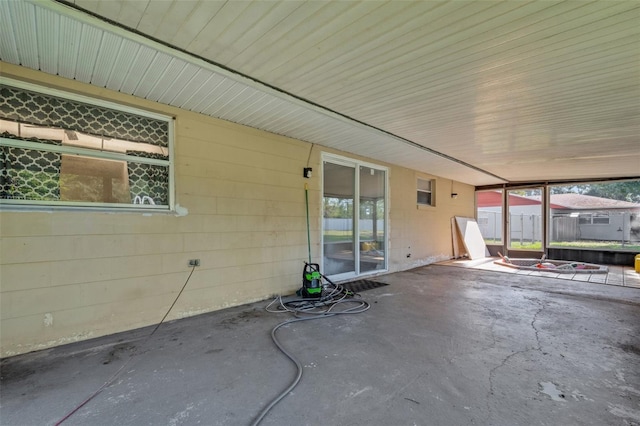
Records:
x=472, y=238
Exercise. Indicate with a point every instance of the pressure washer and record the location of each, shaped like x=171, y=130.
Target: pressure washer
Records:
x=311, y=281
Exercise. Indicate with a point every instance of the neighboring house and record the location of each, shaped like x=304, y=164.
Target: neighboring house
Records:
x=573, y=217
x=585, y=217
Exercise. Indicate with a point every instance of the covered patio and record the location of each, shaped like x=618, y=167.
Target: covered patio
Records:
x=440, y=345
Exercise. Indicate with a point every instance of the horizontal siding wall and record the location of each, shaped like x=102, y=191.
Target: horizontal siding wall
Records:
x=420, y=234
x=69, y=276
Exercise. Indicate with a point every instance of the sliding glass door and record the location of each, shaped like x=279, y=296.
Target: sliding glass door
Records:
x=354, y=218
x=338, y=219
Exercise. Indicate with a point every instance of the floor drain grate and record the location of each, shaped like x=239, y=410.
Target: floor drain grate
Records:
x=362, y=285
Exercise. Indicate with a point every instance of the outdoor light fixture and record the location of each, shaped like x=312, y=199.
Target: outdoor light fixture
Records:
x=306, y=172
x=454, y=195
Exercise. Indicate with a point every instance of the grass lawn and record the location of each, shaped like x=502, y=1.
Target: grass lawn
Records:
x=598, y=245
x=535, y=245
x=340, y=236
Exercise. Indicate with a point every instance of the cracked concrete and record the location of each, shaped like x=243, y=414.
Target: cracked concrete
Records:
x=440, y=346
x=509, y=357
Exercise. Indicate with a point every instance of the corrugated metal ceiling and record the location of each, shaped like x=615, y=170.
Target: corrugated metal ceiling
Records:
x=517, y=90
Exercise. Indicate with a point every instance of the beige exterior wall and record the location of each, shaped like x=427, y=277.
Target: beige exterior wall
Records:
x=69, y=276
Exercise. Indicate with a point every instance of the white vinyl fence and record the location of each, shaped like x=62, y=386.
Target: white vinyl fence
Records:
x=564, y=227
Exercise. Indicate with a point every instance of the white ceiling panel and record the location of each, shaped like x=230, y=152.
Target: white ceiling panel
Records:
x=252, y=100
x=130, y=12
x=137, y=65
x=152, y=20
x=223, y=92
x=215, y=84
x=279, y=110
x=186, y=20
x=124, y=61
x=234, y=22
x=479, y=92
x=236, y=95
x=271, y=15
x=8, y=36
x=256, y=114
x=23, y=24
x=153, y=73
x=87, y=52
x=70, y=33
x=168, y=81
x=47, y=48
x=259, y=50
x=190, y=88
x=108, y=53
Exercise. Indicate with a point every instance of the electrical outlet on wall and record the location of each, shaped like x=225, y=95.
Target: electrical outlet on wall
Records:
x=194, y=262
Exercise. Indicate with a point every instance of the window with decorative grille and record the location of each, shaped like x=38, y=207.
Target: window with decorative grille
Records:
x=59, y=149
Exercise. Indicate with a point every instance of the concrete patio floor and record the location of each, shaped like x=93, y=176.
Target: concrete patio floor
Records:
x=441, y=345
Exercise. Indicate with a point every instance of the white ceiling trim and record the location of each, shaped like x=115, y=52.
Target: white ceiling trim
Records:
x=57, y=39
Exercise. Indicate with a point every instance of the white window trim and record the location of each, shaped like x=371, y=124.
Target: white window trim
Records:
x=29, y=205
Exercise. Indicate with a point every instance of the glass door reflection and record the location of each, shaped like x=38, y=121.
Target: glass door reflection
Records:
x=338, y=219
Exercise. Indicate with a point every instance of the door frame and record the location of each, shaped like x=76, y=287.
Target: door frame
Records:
x=507, y=225
x=356, y=164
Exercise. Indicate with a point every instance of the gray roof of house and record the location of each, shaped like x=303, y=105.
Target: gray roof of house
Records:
x=589, y=202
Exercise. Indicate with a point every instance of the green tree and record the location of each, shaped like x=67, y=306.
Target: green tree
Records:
x=337, y=207
x=623, y=191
